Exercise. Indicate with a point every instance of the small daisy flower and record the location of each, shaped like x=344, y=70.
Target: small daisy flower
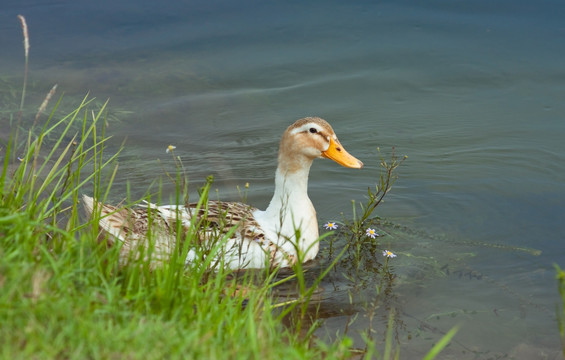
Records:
x=372, y=233
x=170, y=148
x=389, y=254
x=330, y=225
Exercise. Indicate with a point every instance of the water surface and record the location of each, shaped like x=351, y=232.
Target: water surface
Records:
x=471, y=91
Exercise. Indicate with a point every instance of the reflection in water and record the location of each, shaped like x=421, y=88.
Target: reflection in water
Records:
x=364, y=291
x=357, y=284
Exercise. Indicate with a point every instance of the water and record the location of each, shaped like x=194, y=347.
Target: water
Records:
x=471, y=91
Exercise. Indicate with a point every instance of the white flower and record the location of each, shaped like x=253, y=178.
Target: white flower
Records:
x=330, y=225
x=389, y=254
x=170, y=148
x=372, y=233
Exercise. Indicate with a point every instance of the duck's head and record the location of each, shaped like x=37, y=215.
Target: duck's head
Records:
x=311, y=138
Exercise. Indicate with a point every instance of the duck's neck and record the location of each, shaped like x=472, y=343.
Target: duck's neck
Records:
x=290, y=188
x=291, y=211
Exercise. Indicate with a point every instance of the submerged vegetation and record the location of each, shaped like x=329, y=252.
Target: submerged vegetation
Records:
x=63, y=293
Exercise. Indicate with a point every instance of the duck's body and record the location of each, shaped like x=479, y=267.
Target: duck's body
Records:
x=287, y=231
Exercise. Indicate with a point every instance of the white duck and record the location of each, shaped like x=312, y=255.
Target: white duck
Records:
x=286, y=232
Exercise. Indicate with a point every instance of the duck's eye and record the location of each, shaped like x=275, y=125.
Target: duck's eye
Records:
x=313, y=130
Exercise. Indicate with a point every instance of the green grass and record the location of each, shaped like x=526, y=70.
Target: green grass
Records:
x=76, y=304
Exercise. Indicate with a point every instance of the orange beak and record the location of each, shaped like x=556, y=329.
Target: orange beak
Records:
x=337, y=153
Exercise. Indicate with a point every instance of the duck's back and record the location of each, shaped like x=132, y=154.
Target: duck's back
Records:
x=226, y=229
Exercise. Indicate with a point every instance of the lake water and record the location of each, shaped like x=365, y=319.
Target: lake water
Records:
x=471, y=91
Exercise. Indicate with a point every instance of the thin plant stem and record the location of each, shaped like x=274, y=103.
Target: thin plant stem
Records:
x=20, y=112
x=26, y=51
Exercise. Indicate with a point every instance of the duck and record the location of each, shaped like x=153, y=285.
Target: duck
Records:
x=285, y=233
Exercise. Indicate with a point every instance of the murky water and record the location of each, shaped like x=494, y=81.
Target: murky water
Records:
x=472, y=91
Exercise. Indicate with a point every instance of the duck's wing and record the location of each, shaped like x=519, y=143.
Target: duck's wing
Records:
x=207, y=224
x=130, y=228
